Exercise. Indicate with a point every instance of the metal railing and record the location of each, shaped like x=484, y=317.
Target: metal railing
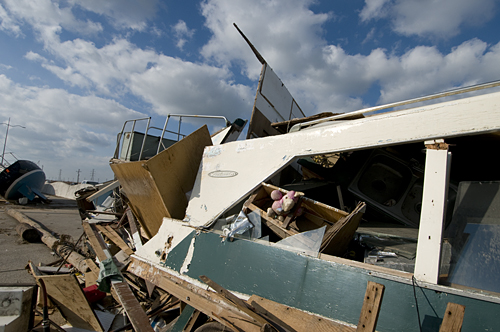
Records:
x=163, y=131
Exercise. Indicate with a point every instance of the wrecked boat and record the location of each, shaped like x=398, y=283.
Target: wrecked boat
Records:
x=413, y=245
x=21, y=179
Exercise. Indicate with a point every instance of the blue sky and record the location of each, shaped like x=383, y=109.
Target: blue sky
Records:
x=72, y=71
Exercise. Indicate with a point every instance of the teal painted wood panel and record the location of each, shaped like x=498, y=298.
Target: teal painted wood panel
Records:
x=326, y=288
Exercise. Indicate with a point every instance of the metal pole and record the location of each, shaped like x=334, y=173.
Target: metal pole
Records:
x=5, y=142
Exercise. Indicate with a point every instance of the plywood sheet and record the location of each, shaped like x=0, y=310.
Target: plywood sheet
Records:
x=65, y=291
x=157, y=188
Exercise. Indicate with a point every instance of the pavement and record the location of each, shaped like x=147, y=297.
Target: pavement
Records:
x=60, y=216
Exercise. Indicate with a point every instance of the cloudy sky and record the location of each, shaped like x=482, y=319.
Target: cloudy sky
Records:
x=73, y=71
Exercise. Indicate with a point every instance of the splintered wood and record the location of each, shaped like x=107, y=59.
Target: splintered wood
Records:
x=132, y=307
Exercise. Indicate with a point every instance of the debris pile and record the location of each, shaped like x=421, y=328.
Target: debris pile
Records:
x=208, y=233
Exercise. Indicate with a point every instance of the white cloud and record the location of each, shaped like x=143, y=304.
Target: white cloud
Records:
x=429, y=18
x=374, y=9
x=285, y=32
x=171, y=85
x=424, y=70
x=45, y=15
x=182, y=33
x=130, y=14
x=326, y=77
x=175, y=86
x=8, y=23
x=77, y=129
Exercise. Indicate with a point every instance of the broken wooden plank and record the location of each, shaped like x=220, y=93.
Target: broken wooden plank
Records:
x=338, y=236
x=136, y=236
x=115, y=238
x=135, y=313
x=371, y=307
x=120, y=290
x=65, y=291
x=103, y=190
x=201, y=299
x=453, y=318
x=239, y=303
x=267, y=322
x=94, y=241
x=92, y=275
x=295, y=319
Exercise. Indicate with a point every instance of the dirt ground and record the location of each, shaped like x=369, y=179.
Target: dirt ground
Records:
x=60, y=216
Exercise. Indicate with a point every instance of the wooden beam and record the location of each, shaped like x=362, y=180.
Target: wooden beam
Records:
x=120, y=290
x=371, y=307
x=135, y=313
x=136, y=236
x=239, y=303
x=434, y=199
x=103, y=190
x=94, y=241
x=115, y=238
x=295, y=319
x=453, y=318
x=201, y=299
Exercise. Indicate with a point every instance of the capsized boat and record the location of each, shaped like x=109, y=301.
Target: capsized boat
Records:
x=23, y=178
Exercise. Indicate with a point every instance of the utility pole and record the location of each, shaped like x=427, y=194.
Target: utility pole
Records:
x=92, y=175
x=6, y=134
x=60, y=172
x=78, y=177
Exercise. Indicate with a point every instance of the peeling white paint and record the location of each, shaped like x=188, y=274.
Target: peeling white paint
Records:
x=212, y=151
x=170, y=228
x=189, y=257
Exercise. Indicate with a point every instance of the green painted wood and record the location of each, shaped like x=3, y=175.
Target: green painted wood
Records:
x=325, y=288
x=183, y=319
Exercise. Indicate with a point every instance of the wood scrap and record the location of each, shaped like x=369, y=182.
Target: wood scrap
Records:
x=120, y=290
x=65, y=291
x=201, y=299
x=295, y=319
x=371, y=307
x=135, y=313
x=111, y=234
x=338, y=236
x=262, y=318
x=453, y=318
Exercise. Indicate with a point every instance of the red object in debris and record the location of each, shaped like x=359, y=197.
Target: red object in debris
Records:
x=93, y=294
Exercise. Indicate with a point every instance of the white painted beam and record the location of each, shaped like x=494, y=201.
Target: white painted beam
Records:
x=435, y=195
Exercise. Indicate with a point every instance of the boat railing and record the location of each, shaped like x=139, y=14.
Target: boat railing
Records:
x=161, y=146
x=365, y=111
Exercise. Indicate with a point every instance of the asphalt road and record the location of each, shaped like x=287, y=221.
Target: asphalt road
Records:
x=60, y=216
